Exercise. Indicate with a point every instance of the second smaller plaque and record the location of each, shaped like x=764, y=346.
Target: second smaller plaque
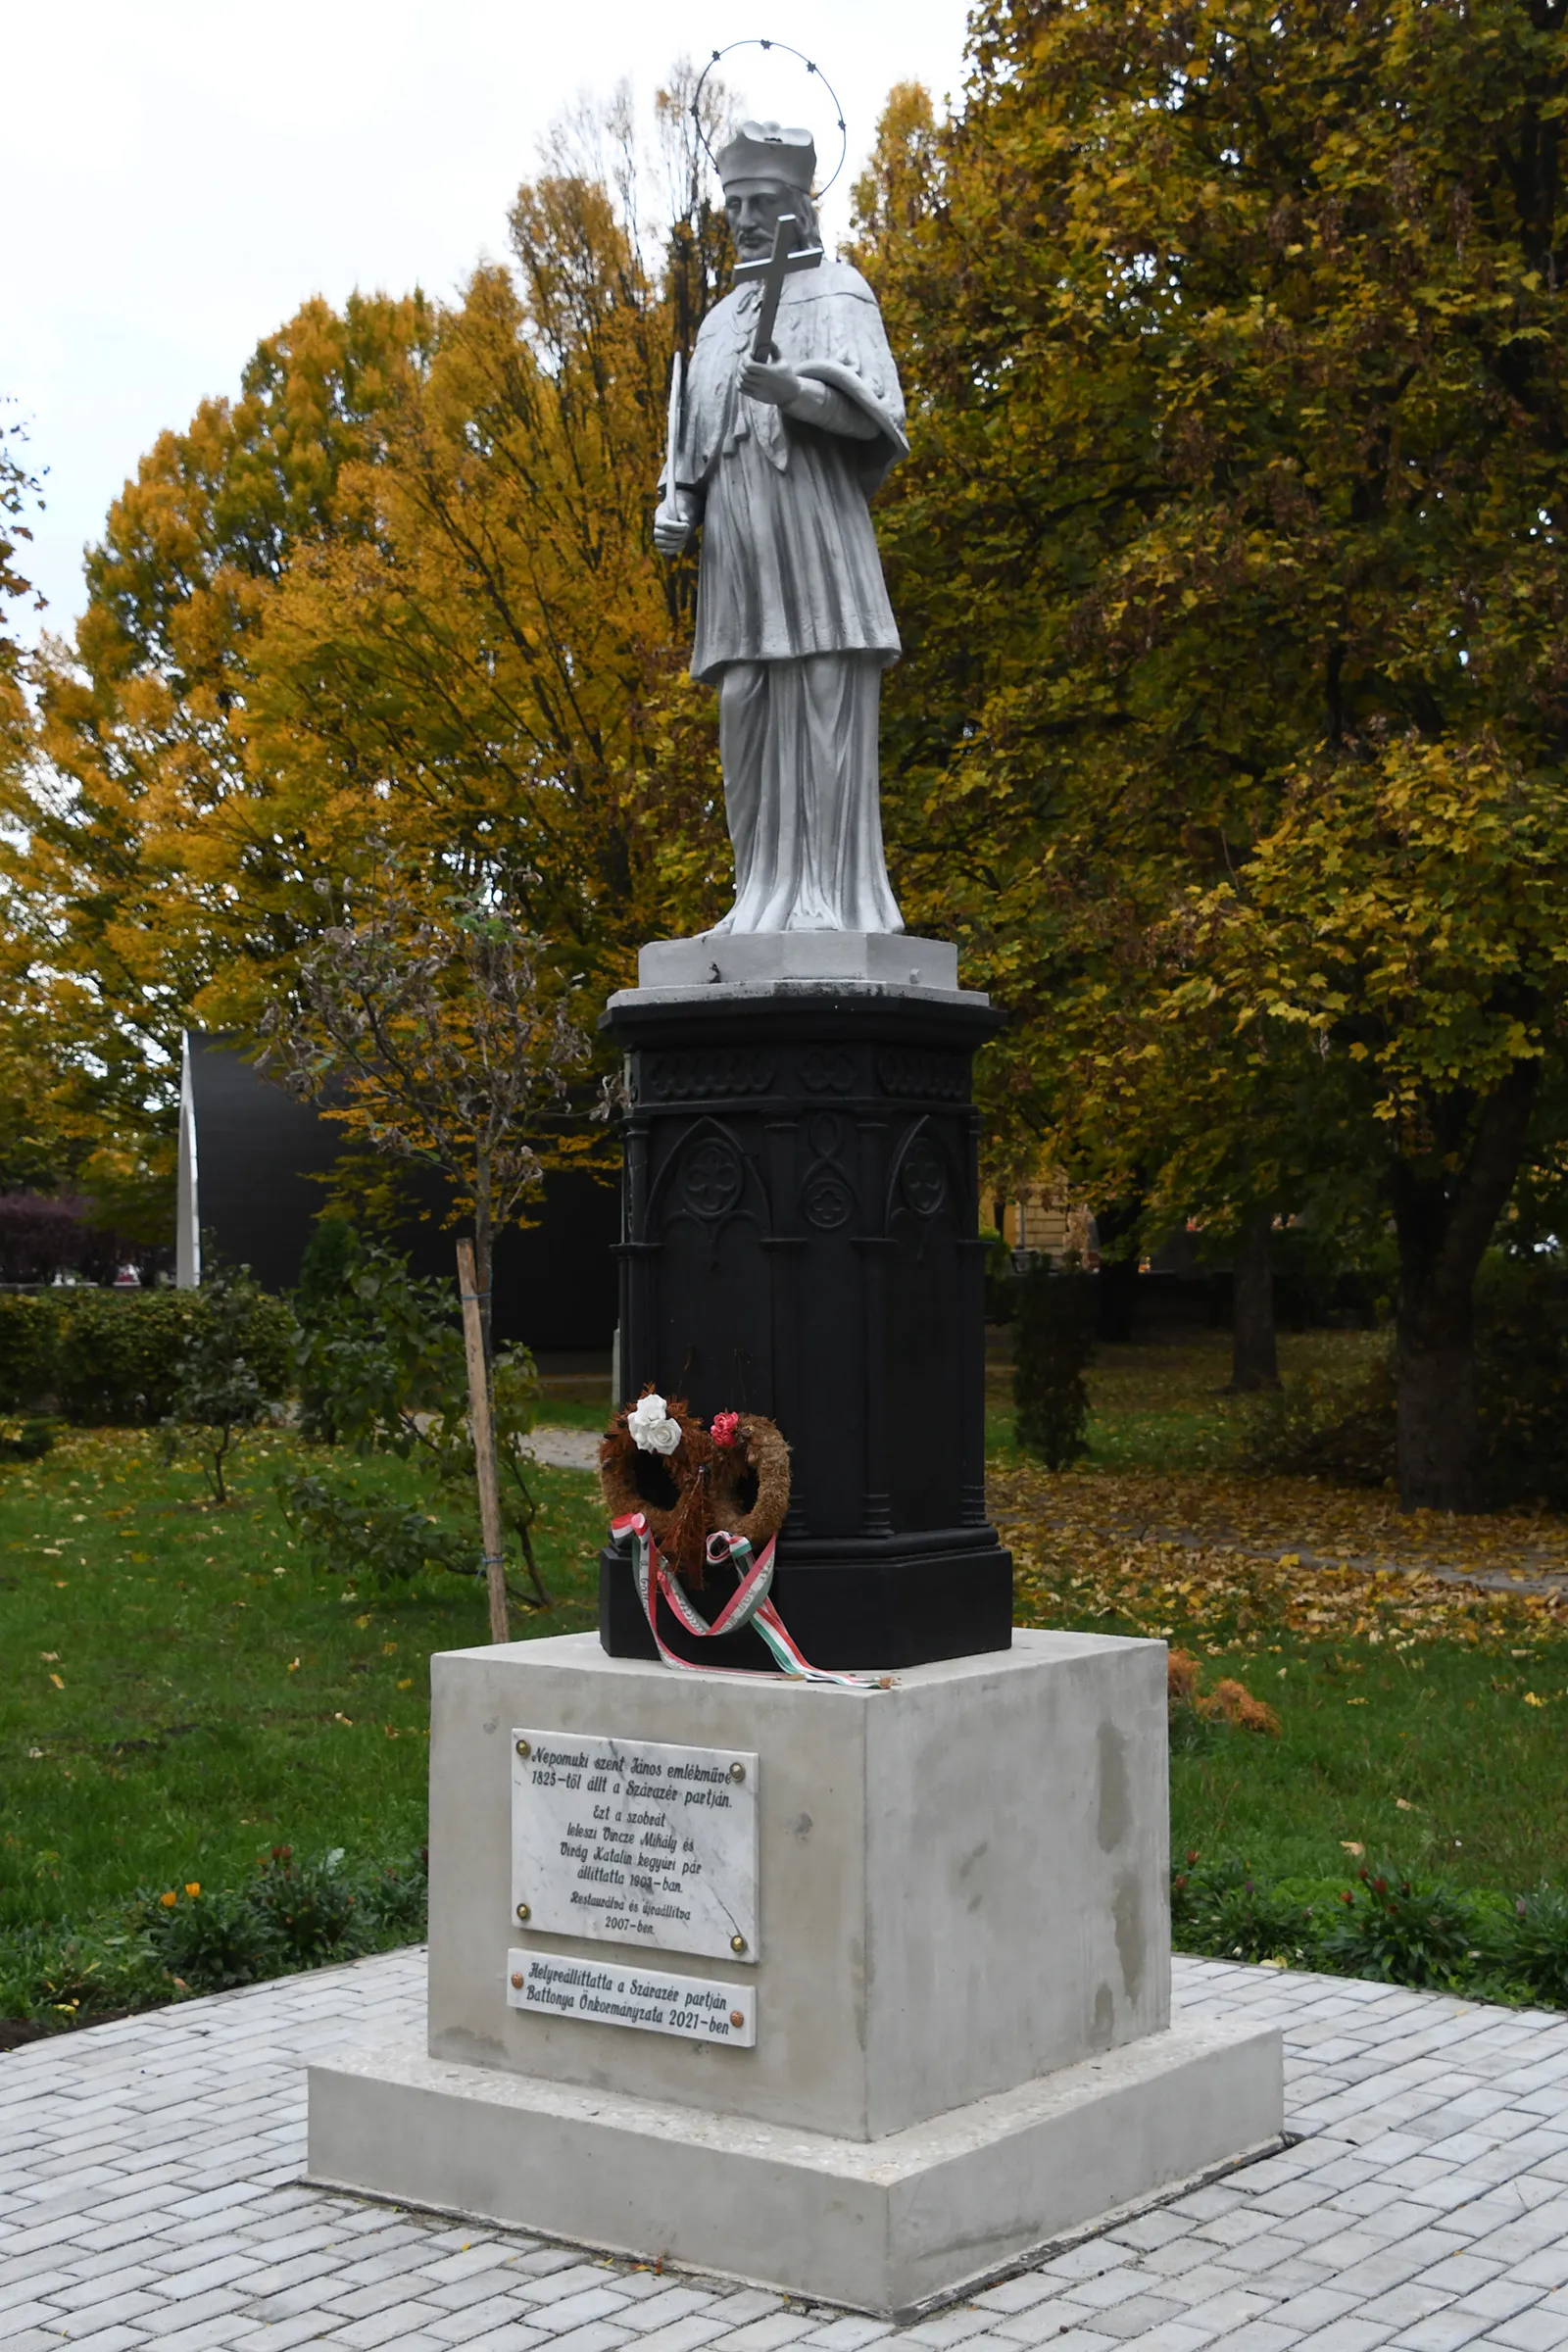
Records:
x=634, y=1841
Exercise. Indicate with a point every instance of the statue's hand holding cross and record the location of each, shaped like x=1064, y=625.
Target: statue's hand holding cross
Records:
x=760, y=377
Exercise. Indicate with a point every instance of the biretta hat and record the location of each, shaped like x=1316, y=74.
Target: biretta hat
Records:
x=768, y=151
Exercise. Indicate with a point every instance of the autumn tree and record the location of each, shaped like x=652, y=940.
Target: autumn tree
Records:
x=494, y=653
x=1230, y=562
x=133, y=870
x=401, y=588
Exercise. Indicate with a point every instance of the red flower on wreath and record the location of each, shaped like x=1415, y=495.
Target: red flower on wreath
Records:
x=725, y=1427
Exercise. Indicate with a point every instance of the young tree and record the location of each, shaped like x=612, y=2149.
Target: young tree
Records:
x=426, y=1026
x=423, y=1028
x=1240, y=431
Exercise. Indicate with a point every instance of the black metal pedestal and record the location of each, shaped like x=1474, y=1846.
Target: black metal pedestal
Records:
x=800, y=1216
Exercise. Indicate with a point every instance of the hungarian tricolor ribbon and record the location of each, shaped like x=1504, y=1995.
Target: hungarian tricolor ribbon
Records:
x=749, y=1603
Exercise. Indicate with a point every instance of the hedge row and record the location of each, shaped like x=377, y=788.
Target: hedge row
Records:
x=115, y=1357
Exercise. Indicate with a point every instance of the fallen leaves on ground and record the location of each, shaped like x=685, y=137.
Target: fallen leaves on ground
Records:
x=1227, y=1557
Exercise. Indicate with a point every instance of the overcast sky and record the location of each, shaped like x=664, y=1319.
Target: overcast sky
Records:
x=184, y=173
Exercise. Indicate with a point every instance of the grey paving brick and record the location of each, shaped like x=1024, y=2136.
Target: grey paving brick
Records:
x=951, y=2326
x=389, y=2327
x=1019, y=2293
x=667, y=2303
x=114, y=2336
x=556, y=2286
x=95, y=2309
x=1536, y=2331
x=278, y=2335
x=1132, y=2321
x=1443, y=2331
x=1347, y=2334
x=509, y=2338
x=598, y=2336
x=681, y=2336
x=848, y=2333
x=779, y=2328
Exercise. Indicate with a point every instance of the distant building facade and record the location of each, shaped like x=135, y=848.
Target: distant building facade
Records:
x=250, y=1161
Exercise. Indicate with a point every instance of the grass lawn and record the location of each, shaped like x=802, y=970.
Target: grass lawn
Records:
x=1422, y=1722
x=184, y=1691
x=188, y=1693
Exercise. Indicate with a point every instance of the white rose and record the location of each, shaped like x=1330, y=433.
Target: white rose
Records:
x=651, y=1428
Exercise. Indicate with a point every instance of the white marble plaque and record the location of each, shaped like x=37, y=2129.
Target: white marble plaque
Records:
x=635, y=1842
x=606, y=1993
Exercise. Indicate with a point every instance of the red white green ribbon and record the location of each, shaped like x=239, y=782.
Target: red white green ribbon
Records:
x=748, y=1605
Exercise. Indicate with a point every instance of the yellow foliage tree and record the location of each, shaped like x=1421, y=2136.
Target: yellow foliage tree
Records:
x=401, y=588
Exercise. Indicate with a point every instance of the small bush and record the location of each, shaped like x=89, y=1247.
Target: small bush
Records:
x=1223, y=1910
x=221, y=1390
x=206, y=1943
x=368, y=1538
x=1398, y=1932
x=382, y=1368
x=1053, y=1343
x=1389, y=1929
x=1530, y=1946
x=32, y=1442
x=1341, y=1429
x=378, y=1350
x=1522, y=1380
x=313, y=1907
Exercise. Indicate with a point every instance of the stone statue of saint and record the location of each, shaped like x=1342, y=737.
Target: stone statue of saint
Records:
x=776, y=458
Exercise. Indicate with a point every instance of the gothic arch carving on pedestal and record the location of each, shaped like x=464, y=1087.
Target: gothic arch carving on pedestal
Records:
x=711, y=1179
x=924, y=1178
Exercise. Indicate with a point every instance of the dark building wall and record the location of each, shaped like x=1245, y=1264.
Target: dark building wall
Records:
x=257, y=1149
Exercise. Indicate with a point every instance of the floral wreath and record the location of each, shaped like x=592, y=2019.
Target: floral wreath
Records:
x=732, y=1478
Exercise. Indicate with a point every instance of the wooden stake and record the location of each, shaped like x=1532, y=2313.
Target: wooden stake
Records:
x=484, y=1443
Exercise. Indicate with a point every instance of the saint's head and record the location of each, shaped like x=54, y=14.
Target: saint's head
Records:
x=767, y=172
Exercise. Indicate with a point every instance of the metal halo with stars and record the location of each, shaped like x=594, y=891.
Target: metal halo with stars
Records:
x=811, y=67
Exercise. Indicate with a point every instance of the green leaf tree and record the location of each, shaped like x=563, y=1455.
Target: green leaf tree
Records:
x=1234, y=719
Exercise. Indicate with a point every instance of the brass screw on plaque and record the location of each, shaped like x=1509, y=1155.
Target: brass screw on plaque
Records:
x=737, y=1943
x=737, y=1771
x=523, y=1748
x=516, y=1977
x=522, y=1911
x=737, y=2017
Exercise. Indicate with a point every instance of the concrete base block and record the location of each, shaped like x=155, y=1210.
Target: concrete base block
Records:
x=887, y=2226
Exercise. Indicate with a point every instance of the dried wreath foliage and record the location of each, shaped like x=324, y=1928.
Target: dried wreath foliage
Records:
x=703, y=1488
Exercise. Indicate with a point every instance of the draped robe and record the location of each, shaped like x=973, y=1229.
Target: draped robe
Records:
x=793, y=620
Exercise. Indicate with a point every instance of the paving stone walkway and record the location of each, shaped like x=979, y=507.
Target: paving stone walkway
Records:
x=150, y=2195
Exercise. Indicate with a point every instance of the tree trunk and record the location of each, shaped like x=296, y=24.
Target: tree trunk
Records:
x=1255, y=1358
x=483, y=1255
x=1444, y=1223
